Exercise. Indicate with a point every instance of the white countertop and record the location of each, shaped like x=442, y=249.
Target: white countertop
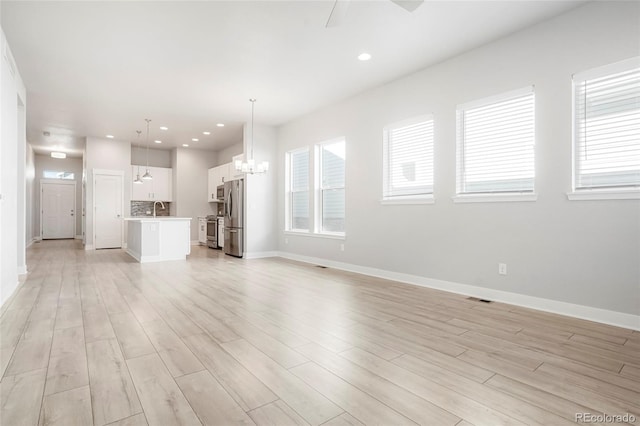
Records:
x=155, y=219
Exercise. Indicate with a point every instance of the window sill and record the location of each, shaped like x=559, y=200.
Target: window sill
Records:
x=494, y=198
x=317, y=235
x=600, y=194
x=407, y=200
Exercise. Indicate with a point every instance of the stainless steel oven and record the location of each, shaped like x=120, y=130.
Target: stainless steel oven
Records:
x=212, y=232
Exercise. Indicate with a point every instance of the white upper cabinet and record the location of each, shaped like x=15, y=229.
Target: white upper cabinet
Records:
x=218, y=176
x=212, y=184
x=233, y=173
x=162, y=185
x=160, y=188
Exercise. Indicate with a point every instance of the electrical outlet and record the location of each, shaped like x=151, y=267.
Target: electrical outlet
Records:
x=502, y=268
x=341, y=247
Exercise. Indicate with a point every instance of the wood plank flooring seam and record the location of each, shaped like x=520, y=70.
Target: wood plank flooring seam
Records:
x=329, y=397
x=47, y=372
x=126, y=366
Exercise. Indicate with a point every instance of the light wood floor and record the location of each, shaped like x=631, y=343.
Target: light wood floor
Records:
x=95, y=338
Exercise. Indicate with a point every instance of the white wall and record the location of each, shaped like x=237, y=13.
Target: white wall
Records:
x=12, y=169
x=107, y=154
x=21, y=197
x=261, y=237
x=30, y=193
x=45, y=162
x=226, y=155
x=581, y=252
x=190, y=185
x=157, y=157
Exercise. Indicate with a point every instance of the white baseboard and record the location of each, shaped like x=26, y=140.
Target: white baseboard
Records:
x=33, y=240
x=12, y=293
x=604, y=316
x=195, y=242
x=22, y=270
x=88, y=246
x=261, y=254
x=78, y=237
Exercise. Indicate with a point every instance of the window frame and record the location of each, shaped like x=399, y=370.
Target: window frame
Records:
x=491, y=196
x=621, y=192
x=60, y=175
x=289, y=191
x=319, y=188
x=388, y=196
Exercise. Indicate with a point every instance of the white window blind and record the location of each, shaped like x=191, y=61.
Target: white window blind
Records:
x=298, y=209
x=607, y=126
x=408, y=158
x=331, y=205
x=496, y=141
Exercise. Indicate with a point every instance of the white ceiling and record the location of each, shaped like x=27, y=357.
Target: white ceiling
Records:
x=98, y=68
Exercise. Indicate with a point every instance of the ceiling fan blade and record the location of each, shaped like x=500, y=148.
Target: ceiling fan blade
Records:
x=408, y=5
x=338, y=13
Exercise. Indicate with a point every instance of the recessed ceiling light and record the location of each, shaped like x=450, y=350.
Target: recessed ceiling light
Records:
x=364, y=56
x=55, y=154
x=156, y=141
x=186, y=145
x=206, y=133
x=220, y=124
x=110, y=136
x=164, y=128
x=195, y=139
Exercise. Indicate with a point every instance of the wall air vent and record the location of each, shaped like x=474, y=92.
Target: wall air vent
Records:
x=476, y=299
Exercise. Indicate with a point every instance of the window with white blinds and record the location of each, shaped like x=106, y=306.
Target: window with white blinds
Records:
x=298, y=190
x=330, y=206
x=606, y=133
x=408, y=158
x=496, y=144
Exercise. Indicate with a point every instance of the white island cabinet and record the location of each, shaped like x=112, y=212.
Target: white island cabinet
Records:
x=156, y=239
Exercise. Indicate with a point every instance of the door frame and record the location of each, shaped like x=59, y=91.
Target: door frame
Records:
x=106, y=172
x=75, y=203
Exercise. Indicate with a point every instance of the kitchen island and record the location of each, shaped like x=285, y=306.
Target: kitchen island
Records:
x=156, y=239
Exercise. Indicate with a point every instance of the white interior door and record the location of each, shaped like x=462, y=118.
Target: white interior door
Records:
x=58, y=203
x=107, y=193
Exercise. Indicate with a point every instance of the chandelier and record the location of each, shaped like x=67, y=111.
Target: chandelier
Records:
x=138, y=181
x=250, y=167
x=147, y=175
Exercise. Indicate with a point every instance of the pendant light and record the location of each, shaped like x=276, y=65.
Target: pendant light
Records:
x=138, y=181
x=147, y=175
x=250, y=166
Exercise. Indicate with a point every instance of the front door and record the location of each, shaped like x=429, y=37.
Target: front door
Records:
x=108, y=211
x=58, y=205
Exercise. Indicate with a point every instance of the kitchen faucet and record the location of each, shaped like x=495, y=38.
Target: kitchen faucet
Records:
x=154, y=207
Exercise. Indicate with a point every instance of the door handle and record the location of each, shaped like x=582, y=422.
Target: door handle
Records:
x=233, y=231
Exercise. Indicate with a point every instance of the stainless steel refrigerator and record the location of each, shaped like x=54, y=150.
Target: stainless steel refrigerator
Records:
x=234, y=217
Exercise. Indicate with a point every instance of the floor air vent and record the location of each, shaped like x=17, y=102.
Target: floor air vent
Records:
x=475, y=299
x=321, y=267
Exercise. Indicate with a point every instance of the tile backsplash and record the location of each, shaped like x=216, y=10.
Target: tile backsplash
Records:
x=140, y=208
